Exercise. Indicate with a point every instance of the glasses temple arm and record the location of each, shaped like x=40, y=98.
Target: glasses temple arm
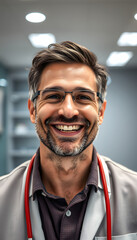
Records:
x=100, y=96
x=35, y=95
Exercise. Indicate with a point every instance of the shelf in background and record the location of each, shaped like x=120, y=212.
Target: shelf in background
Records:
x=23, y=153
x=19, y=114
x=19, y=95
x=28, y=134
x=22, y=138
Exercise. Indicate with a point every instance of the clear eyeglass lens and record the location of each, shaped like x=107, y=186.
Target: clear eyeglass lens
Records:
x=52, y=96
x=81, y=97
x=84, y=97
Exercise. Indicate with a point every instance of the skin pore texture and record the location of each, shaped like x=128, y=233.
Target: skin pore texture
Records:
x=66, y=130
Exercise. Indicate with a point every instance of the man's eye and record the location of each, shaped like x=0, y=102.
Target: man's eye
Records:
x=82, y=97
x=52, y=97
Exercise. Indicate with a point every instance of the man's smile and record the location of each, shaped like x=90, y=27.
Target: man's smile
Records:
x=65, y=129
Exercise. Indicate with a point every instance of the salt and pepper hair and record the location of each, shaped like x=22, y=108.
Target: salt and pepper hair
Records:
x=66, y=52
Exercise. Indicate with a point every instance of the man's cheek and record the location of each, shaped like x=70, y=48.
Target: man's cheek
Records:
x=91, y=116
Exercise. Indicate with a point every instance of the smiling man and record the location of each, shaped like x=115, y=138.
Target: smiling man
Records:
x=67, y=115
x=67, y=108
x=64, y=190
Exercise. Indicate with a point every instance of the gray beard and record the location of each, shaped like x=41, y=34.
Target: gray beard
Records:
x=58, y=150
x=49, y=141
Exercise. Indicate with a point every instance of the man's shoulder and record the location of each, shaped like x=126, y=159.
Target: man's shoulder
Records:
x=14, y=174
x=118, y=169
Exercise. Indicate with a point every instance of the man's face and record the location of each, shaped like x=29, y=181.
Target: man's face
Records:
x=67, y=128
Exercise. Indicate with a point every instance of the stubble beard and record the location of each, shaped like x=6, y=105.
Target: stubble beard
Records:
x=66, y=150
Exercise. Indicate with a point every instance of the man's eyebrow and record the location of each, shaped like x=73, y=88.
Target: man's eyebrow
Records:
x=55, y=88
x=83, y=89
x=60, y=88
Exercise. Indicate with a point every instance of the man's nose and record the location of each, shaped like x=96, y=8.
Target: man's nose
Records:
x=68, y=107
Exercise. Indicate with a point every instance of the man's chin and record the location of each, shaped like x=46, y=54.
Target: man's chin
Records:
x=66, y=150
x=69, y=148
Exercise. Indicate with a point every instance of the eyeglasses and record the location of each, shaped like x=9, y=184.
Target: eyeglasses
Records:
x=56, y=95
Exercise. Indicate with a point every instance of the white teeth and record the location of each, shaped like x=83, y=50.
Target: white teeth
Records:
x=67, y=128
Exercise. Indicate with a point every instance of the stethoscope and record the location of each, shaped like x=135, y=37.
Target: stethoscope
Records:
x=26, y=195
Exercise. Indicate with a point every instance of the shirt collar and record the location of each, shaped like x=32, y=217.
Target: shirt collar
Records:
x=37, y=181
x=93, y=174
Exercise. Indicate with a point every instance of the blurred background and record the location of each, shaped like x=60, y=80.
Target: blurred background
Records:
x=109, y=29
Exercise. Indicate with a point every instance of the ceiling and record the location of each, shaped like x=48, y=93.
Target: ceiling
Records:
x=96, y=24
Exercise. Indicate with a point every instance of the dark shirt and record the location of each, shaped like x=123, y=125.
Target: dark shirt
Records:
x=61, y=221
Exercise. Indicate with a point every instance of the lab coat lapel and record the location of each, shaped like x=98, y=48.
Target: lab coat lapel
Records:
x=94, y=215
x=96, y=208
x=36, y=221
x=35, y=216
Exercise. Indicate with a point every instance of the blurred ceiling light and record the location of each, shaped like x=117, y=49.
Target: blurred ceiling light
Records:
x=128, y=39
x=3, y=82
x=41, y=40
x=118, y=58
x=35, y=17
x=135, y=16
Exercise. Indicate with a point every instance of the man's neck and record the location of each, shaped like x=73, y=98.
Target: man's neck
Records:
x=65, y=176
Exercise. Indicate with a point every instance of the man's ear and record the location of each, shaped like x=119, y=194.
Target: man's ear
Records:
x=102, y=111
x=31, y=110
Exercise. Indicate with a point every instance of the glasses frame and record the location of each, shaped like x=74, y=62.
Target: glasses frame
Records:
x=36, y=94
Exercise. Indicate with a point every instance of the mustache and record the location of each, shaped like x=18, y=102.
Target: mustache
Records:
x=63, y=119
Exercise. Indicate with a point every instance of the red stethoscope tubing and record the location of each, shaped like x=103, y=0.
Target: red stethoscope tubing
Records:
x=108, y=210
x=26, y=198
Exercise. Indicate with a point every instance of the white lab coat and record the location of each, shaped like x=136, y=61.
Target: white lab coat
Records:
x=122, y=188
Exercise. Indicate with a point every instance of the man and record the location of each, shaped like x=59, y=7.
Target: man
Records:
x=66, y=196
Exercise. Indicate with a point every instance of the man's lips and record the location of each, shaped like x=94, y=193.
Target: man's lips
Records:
x=67, y=128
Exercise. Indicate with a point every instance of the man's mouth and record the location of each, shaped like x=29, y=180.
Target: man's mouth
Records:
x=68, y=128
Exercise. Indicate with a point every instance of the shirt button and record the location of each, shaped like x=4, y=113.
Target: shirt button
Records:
x=43, y=194
x=68, y=213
